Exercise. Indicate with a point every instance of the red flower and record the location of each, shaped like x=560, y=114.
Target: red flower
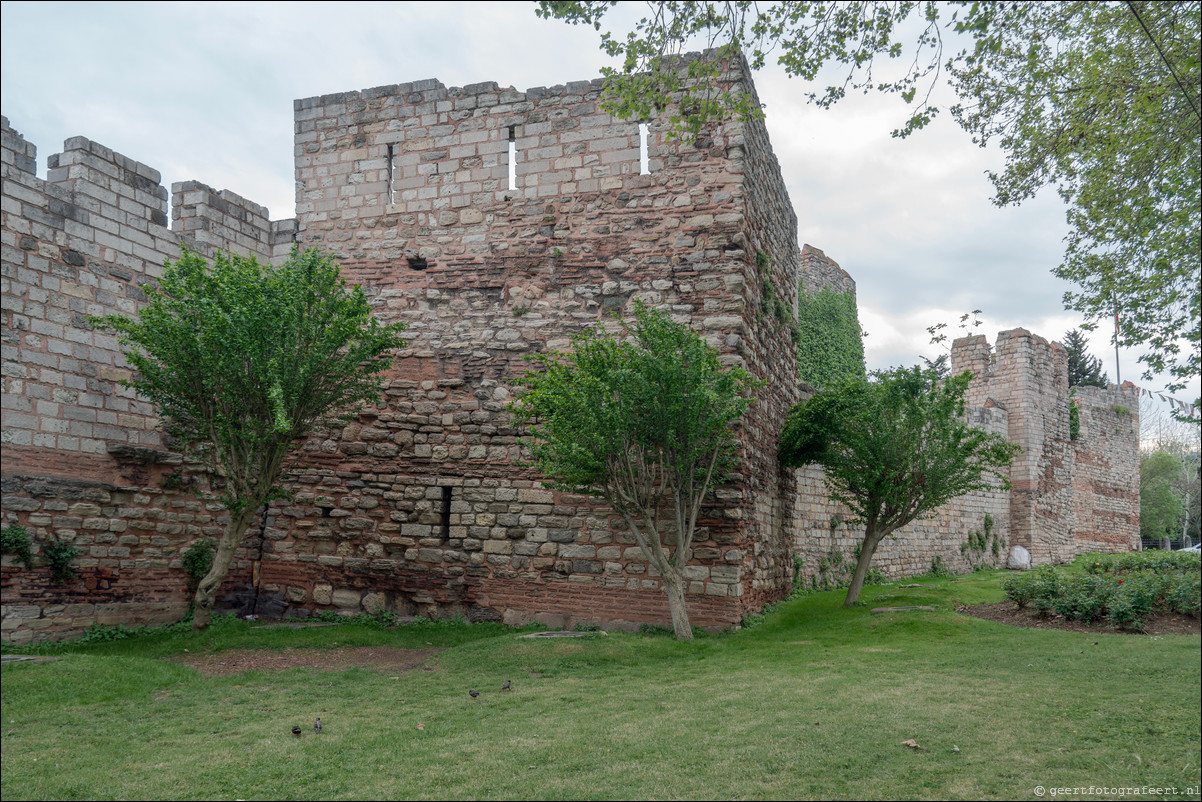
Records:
x=1120, y=581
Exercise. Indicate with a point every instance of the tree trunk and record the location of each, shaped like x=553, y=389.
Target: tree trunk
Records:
x=206, y=591
x=868, y=548
x=674, y=587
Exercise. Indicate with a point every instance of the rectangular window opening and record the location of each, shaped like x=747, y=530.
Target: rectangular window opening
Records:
x=446, y=513
x=391, y=164
x=644, y=159
x=513, y=158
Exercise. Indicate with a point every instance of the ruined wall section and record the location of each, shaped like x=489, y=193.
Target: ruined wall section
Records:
x=1106, y=479
x=820, y=272
x=1068, y=497
x=483, y=276
x=1028, y=376
x=83, y=243
x=827, y=543
x=83, y=459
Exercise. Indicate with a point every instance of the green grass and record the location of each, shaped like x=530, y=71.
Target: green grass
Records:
x=813, y=702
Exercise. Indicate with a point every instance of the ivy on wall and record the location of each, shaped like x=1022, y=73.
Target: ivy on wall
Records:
x=830, y=347
x=771, y=304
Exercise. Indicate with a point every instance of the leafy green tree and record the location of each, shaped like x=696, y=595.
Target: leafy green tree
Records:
x=644, y=422
x=1161, y=506
x=243, y=359
x=830, y=346
x=1099, y=99
x=894, y=448
x=1084, y=369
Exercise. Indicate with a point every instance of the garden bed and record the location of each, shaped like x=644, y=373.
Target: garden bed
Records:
x=1008, y=612
x=235, y=661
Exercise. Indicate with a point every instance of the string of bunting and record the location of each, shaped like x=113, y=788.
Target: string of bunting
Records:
x=1188, y=409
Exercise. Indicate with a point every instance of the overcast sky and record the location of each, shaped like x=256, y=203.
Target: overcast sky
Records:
x=204, y=91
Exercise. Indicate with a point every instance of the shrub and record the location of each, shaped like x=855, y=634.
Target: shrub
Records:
x=1136, y=596
x=1185, y=595
x=59, y=554
x=1083, y=597
x=197, y=560
x=983, y=548
x=15, y=540
x=1122, y=597
x=1155, y=560
x=1036, y=588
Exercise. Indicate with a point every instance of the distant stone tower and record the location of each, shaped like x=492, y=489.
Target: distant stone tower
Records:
x=1069, y=495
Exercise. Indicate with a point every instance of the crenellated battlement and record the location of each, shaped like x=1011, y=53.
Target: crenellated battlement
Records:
x=86, y=241
x=213, y=220
x=465, y=173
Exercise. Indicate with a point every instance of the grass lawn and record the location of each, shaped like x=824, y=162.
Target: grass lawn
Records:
x=812, y=703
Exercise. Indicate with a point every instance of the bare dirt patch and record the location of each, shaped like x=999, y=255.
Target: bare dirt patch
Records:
x=381, y=658
x=1008, y=612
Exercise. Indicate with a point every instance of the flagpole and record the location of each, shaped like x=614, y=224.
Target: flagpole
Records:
x=1117, y=372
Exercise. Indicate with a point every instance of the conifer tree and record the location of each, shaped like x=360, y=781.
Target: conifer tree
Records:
x=1084, y=370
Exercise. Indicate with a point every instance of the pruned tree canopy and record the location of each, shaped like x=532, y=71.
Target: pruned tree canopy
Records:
x=241, y=360
x=644, y=421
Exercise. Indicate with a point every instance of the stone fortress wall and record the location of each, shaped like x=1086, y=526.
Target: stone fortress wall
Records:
x=83, y=460
x=422, y=504
x=1067, y=496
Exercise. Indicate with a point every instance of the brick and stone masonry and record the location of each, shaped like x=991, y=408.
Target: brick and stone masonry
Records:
x=423, y=504
x=83, y=459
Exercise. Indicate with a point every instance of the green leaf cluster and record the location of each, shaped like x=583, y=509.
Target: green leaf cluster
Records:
x=1120, y=598
x=1074, y=415
x=803, y=36
x=983, y=548
x=1084, y=369
x=631, y=418
x=242, y=360
x=58, y=555
x=1161, y=507
x=830, y=348
x=15, y=540
x=1102, y=100
x=197, y=559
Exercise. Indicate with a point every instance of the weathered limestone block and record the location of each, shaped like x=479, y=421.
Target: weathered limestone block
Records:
x=346, y=599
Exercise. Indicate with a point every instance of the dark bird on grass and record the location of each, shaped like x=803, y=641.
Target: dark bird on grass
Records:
x=317, y=725
x=296, y=730
x=473, y=693
x=505, y=687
